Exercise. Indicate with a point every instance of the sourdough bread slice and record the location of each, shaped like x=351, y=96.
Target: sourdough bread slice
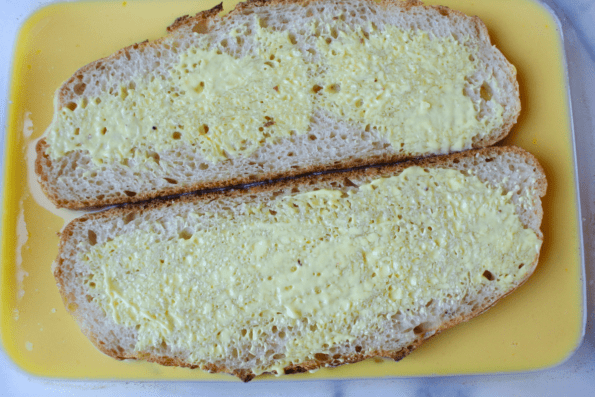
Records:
x=291, y=98
x=309, y=272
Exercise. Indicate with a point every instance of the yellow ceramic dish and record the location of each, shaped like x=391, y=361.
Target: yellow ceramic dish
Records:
x=536, y=327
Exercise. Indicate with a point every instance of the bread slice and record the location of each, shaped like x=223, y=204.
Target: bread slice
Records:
x=308, y=323
x=345, y=118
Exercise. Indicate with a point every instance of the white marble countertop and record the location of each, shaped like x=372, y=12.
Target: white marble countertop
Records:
x=576, y=376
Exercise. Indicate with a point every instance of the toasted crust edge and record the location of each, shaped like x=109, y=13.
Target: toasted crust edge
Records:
x=244, y=375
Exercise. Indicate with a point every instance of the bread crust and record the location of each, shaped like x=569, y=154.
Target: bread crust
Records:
x=539, y=187
x=200, y=23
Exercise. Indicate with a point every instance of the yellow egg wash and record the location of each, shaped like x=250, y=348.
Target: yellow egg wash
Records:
x=228, y=107
x=222, y=105
x=418, y=102
x=516, y=335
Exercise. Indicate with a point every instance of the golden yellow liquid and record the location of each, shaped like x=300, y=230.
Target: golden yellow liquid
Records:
x=537, y=326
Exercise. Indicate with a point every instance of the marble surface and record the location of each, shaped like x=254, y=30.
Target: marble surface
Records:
x=576, y=376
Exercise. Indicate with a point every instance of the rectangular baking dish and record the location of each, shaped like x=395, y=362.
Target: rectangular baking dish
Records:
x=517, y=335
